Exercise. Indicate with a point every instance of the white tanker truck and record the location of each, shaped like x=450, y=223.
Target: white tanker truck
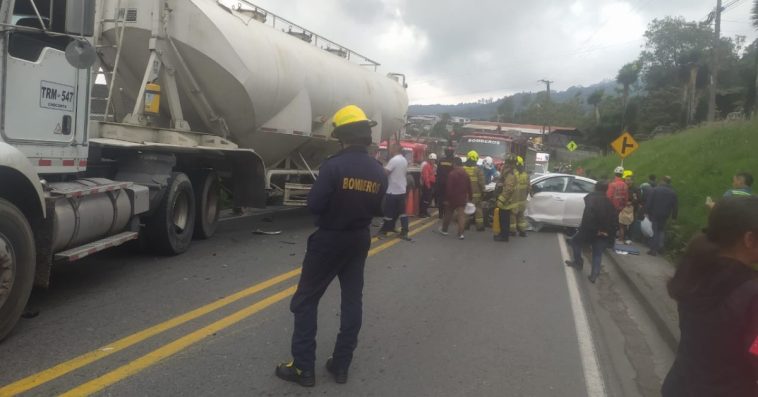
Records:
x=200, y=96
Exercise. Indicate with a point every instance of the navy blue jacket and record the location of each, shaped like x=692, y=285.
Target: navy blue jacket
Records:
x=662, y=203
x=349, y=190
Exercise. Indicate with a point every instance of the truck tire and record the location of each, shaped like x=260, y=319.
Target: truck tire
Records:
x=169, y=230
x=17, y=262
x=208, y=203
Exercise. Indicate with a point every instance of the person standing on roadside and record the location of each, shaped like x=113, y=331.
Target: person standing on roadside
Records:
x=628, y=215
x=506, y=202
x=716, y=290
x=394, y=201
x=457, y=195
x=618, y=191
x=647, y=187
x=428, y=179
x=346, y=196
x=489, y=170
x=518, y=220
x=599, y=222
x=662, y=204
x=742, y=185
x=476, y=176
x=444, y=167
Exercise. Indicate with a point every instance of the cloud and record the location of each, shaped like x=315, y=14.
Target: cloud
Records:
x=456, y=50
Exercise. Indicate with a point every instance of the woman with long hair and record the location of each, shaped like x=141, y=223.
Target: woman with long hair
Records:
x=716, y=289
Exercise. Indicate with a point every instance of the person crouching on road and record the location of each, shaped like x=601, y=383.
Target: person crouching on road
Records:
x=599, y=222
x=716, y=289
x=518, y=220
x=394, y=202
x=443, y=169
x=506, y=201
x=428, y=179
x=345, y=198
x=476, y=176
x=457, y=195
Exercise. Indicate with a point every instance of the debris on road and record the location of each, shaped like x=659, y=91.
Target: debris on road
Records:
x=265, y=233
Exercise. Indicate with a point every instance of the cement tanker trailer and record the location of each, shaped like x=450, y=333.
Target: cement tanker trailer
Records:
x=243, y=78
x=198, y=95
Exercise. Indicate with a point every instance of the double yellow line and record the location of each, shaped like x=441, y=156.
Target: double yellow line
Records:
x=177, y=345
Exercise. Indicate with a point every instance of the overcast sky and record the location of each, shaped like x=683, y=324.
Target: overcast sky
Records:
x=458, y=51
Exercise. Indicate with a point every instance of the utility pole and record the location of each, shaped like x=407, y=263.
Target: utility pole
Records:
x=715, y=65
x=547, y=106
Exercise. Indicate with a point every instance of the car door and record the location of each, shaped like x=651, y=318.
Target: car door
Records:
x=574, y=201
x=547, y=202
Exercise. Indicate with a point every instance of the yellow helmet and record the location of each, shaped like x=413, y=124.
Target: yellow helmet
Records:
x=473, y=155
x=628, y=174
x=519, y=160
x=350, y=114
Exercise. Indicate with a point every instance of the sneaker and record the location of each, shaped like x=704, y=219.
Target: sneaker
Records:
x=592, y=279
x=340, y=374
x=290, y=373
x=442, y=232
x=404, y=236
x=461, y=237
x=522, y=234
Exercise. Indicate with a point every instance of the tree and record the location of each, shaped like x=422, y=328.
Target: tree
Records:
x=755, y=14
x=674, y=55
x=627, y=76
x=594, y=99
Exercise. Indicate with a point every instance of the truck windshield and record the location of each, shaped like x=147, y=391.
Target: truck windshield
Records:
x=484, y=147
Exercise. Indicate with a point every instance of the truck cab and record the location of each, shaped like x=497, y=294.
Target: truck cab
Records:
x=486, y=145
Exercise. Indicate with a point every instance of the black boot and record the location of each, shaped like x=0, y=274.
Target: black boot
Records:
x=290, y=373
x=340, y=374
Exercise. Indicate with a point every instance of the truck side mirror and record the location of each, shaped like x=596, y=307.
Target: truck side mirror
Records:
x=80, y=17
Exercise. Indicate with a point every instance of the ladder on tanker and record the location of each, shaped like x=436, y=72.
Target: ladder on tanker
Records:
x=102, y=95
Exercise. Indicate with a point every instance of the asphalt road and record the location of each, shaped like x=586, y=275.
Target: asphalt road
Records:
x=442, y=317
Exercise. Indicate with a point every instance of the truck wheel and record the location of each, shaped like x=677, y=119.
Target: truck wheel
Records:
x=169, y=230
x=208, y=201
x=17, y=262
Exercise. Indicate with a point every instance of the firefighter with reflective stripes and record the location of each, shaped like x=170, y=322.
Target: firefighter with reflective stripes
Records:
x=505, y=202
x=520, y=194
x=476, y=176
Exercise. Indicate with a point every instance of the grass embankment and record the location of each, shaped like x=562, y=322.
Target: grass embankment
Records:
x=701, y=162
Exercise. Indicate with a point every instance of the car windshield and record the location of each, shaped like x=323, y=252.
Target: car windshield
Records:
x=484, y=147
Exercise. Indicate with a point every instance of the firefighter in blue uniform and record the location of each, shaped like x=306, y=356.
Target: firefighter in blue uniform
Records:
x=345, y=198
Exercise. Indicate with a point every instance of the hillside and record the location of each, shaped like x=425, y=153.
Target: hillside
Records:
x=486, y=111
x=701, y=162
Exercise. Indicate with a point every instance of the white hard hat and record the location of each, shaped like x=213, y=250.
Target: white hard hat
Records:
x=433, y=156
x=470, y=209
x=619, y=170
x=488, y=162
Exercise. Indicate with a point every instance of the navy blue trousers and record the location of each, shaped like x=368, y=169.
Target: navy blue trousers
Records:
x=330, y=254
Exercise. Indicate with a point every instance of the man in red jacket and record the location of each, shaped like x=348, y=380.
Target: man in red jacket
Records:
x=457, y=195
x=618, y=191
x=428, y=179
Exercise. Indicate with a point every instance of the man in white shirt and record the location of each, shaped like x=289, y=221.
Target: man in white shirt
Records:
x=394, y=200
